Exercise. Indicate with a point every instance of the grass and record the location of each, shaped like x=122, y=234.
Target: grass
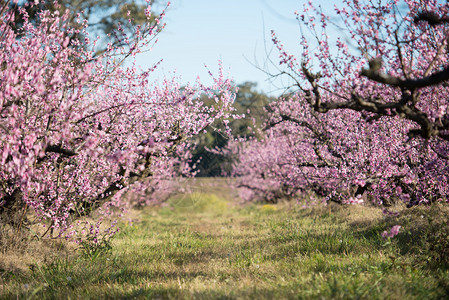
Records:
x=203, y=246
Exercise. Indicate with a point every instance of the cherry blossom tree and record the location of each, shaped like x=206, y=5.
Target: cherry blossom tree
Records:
x=349, y=130
x=77, y=132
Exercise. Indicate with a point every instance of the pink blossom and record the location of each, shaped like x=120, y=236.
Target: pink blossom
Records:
x=393, y=232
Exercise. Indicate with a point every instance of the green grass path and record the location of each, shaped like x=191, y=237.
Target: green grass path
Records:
x=204, y=247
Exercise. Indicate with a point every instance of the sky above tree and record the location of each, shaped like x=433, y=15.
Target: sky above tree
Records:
x=202, y=32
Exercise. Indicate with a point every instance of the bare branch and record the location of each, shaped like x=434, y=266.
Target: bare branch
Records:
x=60, y=150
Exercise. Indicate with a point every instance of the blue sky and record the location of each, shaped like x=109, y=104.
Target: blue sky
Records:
x=202, y=32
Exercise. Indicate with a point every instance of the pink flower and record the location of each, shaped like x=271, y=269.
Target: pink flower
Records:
x=393, y=232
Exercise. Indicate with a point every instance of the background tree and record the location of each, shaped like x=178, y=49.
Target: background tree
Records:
x=103, y=17
x=250, y=108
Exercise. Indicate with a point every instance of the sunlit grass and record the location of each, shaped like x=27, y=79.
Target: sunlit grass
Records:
x=202, y=246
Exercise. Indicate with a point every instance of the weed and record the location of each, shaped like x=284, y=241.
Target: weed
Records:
x=92, y=247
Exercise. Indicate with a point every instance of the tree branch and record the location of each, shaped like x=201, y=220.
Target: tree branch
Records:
x=59, y=149
x=410, y=84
